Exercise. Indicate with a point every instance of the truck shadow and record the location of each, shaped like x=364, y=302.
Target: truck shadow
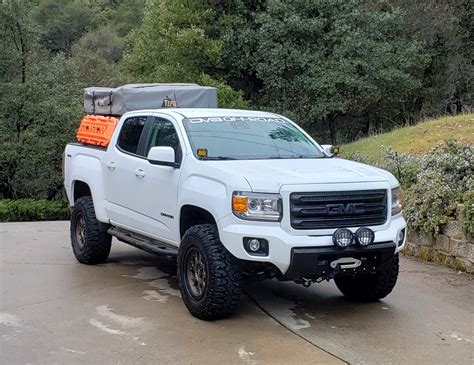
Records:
x=293, y=305
x=321, y=305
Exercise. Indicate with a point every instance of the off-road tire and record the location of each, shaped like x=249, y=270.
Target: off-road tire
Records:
x=223, y=285
x=96, y=246
x=370, y=287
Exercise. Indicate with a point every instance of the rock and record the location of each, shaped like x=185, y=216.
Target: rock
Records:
x=464, y=265
x=470, y=252
x=453, y=229
x=421, y=238
x=442, y=258
x=459, y=248
x=443, y=243
x=425, y=253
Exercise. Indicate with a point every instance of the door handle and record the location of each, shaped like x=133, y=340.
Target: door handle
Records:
x=139, y=173
x=111, y=165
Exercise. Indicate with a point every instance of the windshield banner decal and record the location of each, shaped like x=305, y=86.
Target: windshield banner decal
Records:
x=235, y=119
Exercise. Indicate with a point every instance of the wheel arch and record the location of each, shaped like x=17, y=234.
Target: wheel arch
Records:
x=191, y=215
x=82, y=187
x=79, y=189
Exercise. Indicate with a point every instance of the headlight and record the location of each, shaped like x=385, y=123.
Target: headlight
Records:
x=257, y=206
x=397, y=200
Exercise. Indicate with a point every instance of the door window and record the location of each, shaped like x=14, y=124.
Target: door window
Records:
x=130, y=134
x=163, y=134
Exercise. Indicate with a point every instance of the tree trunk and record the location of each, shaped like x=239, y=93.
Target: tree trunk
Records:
x=367, y=124
x=331, y=119
x=23, y=54
x=458, y=107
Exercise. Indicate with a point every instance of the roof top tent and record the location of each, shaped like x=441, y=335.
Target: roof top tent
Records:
x=118, y=101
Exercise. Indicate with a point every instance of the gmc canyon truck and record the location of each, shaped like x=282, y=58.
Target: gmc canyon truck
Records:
x=234, y=194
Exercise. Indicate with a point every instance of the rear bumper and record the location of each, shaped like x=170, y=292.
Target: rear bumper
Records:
x=314, y=262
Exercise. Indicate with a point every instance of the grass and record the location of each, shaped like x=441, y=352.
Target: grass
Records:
x=417, y=139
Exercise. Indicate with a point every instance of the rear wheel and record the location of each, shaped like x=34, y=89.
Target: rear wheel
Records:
x=370, y=287
x=209, y=279
x=89, y=244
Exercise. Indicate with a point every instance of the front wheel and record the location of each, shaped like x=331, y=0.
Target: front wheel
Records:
x=209, y=279
x=370, y=287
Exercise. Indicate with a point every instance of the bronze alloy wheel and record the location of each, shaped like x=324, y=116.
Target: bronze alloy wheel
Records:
x=208, y=275
x=80, y=231
x=196, y=273
x=90, y=242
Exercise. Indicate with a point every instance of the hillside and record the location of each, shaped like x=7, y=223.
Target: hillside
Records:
x=417, y=139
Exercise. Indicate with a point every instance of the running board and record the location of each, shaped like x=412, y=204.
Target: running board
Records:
x=143, y=243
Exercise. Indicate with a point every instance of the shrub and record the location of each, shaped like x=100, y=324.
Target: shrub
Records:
x=403, y=166
x=430, y=202
x=454, y=161
x=23, y=210
x=358, y=157
x=434, y=184
x=468, y=210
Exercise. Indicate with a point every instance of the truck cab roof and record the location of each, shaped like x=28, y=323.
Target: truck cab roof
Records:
x=204, y=112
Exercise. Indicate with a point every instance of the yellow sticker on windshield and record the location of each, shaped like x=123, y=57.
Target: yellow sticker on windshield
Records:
x=202, y=152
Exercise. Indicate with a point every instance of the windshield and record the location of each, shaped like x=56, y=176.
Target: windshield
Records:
x=247, y=138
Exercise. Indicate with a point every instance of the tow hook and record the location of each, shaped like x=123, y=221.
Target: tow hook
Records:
x=308, y=282
x=341, y=264
x=331, y=275
x=304, y=281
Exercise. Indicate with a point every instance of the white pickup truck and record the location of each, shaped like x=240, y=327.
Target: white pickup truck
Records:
x=235, y=194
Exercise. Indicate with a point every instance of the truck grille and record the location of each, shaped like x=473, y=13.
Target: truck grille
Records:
x=320, y=210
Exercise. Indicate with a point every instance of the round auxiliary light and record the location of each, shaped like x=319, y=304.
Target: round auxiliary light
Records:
x=401, y=236
x=364, y=236
x=342, y=237
x=254, y=245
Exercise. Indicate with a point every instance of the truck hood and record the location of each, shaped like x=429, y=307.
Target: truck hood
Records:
x=271, y=175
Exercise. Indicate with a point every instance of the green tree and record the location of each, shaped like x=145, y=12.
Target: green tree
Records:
x=173, y=45
x=40, y=105
x=97, y=55
x=447, y=29
x=62, y=22
x=17, y=39
x=37, y=119
x=320, y=60
x=123, y=15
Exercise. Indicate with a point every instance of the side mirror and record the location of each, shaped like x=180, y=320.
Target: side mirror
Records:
x=163, y=156
x=330, y=150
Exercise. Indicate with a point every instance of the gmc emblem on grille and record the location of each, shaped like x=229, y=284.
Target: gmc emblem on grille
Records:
x=350, y=208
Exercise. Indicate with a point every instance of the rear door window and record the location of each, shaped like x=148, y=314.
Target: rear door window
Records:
x=129, y=138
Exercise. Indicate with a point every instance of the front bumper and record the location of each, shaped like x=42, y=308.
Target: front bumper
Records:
x=315, y=262
x=232, y=231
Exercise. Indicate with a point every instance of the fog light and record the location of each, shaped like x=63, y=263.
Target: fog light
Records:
x=342, y=237
x=364, y=236
x=256, y=246
x=401, y=237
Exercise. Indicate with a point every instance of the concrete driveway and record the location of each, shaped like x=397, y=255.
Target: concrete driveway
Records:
x=54, y=310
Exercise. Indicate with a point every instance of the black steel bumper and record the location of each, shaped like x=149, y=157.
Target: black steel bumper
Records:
x=314, y=262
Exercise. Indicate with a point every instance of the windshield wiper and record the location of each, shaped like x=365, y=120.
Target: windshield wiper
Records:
x=217, y=158
x=285, y=157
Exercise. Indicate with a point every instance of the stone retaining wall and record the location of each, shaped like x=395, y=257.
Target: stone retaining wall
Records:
x=450, y=248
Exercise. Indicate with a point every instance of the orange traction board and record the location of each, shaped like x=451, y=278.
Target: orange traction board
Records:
x=96, y=130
